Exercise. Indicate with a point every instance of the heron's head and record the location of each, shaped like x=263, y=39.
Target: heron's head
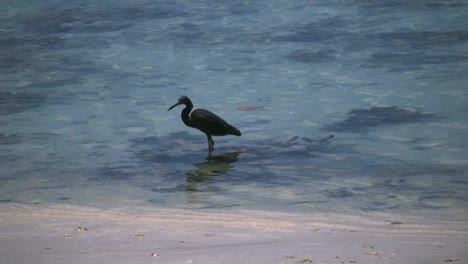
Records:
x=182, y=100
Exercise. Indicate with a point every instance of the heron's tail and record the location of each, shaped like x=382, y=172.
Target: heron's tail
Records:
x=234, y=131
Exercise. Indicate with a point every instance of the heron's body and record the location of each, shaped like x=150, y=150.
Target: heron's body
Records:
x=205, y=121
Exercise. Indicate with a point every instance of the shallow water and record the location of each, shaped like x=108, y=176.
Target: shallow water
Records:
x=85, y=89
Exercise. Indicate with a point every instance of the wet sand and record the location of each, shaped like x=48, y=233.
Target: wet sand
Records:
x=73, y=234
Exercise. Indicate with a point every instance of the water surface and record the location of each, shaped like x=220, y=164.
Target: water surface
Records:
x=364, y=105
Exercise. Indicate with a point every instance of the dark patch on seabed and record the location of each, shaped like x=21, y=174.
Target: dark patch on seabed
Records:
x=409, y=4
x=154, y=149
x=117, y=173
x=91, y=19
x=418, y=39
x=12, y=103
x=327, y=29
x=406, y=59
x=338, y=193
x=10, y=139
x=167, y=148
x=311, y=56
x=187, y=155
x=361, y=120
x=415, y=49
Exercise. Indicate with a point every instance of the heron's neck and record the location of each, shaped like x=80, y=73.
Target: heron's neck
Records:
x=185, y=114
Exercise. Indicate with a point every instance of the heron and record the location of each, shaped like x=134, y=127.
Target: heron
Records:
x=205, y=121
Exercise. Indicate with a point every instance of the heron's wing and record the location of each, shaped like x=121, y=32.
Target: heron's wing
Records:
x=210, y=123
x=205, y=117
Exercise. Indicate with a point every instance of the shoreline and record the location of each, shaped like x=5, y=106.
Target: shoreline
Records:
x=76, y=234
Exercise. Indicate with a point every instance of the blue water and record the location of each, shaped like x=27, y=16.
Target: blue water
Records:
x=365, y=104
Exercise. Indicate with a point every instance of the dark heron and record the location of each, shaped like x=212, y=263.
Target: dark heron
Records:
x=205, y=121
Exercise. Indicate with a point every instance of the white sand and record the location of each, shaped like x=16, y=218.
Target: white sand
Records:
x=50, y=234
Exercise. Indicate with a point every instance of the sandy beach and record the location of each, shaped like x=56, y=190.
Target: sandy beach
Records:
x=73, y=234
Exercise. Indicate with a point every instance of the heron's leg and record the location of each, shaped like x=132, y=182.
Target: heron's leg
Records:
x=210, y=143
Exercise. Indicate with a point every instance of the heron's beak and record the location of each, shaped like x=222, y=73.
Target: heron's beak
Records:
x=178, y=103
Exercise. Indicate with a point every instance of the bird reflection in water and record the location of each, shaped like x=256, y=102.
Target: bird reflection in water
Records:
x=208, y=170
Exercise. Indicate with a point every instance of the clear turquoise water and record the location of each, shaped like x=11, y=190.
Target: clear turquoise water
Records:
x=85, y=88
